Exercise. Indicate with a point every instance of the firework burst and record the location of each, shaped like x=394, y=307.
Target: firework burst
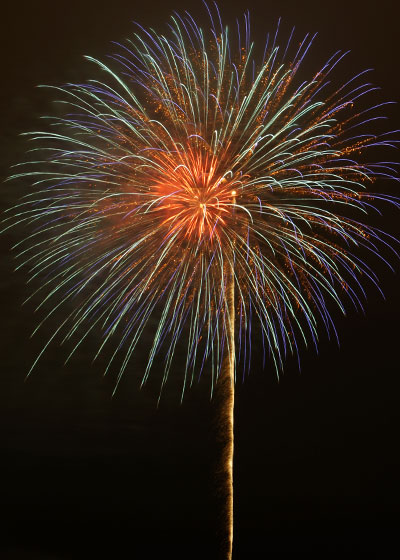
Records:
x=205, y=183
x=193, y=161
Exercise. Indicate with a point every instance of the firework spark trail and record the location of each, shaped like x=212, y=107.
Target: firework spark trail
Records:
x=230, y=403
x=226, y=389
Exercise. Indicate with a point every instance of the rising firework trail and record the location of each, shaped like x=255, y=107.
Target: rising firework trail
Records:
x=225, y=420
x=201, y=189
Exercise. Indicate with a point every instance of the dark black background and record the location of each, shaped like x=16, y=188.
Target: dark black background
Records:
x=317, y=454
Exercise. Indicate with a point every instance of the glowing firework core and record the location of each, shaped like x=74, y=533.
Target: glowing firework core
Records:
x=196, y=199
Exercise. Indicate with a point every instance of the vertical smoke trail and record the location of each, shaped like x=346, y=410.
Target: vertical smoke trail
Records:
x=226, y=390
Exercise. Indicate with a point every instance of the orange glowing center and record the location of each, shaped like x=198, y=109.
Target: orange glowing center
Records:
x=196, y=200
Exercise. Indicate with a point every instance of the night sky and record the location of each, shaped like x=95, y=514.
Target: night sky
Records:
x=316, y=454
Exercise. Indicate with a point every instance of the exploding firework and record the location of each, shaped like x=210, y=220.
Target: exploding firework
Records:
x=206, y=184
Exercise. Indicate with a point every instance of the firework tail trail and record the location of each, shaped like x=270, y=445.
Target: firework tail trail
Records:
x=226, y=417
x=225, y=429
